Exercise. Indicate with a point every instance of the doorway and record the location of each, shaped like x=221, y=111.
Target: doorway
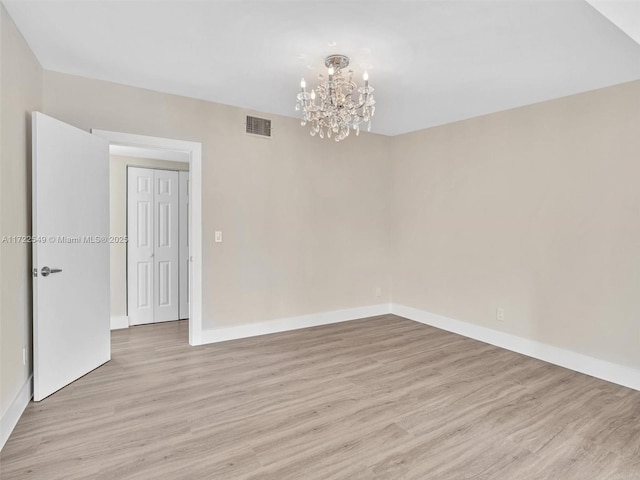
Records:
x=71, y=271
x=155, y=148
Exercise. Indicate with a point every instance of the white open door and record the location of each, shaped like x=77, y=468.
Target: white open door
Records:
x=71, y=310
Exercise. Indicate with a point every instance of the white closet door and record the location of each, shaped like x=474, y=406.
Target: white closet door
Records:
x=140, y=230
x=184, y=244
x=153, y=247
x=166, y=252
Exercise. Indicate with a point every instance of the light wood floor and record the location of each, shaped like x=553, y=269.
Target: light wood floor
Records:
x=379, y=398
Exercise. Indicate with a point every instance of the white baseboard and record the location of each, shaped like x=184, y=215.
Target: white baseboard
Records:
x=292, y=323
x=14, y=412
x=119, y=322
x=611, y=372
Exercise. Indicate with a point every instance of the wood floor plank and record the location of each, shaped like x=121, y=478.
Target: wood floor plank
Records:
x=371, y=399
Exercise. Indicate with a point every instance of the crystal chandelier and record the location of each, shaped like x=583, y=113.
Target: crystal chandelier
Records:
x=331, y=108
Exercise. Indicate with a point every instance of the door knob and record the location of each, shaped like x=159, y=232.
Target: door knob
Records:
x=46, y=271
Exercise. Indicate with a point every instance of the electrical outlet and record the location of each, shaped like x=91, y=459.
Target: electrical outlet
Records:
x=500, y=314
x=24, y=356
x=378, y=292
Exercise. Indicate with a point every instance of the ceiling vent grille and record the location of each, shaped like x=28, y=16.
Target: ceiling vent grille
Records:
x=258, y=126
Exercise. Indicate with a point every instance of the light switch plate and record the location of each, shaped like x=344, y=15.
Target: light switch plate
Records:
x=218, y=236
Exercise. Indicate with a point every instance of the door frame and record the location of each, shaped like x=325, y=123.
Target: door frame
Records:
x=194, y=150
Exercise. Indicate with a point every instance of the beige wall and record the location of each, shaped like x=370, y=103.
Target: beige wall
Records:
x=305, y=221
x=20, y=94
x=536, y=210
x=118, y=210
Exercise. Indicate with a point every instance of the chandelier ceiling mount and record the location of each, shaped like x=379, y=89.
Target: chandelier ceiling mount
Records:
x=336, y=61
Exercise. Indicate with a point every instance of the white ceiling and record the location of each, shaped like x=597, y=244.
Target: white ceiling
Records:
x=624, y=13
x=431, y=62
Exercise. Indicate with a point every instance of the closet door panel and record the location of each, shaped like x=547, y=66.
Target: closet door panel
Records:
x=166, y=248
x=140, y=257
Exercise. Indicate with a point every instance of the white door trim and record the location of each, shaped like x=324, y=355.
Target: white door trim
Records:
x=194, y=149
x=183, y=264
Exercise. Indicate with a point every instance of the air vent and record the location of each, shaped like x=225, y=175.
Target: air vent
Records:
x=258, y=126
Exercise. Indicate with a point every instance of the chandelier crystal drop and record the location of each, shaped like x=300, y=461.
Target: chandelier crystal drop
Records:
x=336, y=105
